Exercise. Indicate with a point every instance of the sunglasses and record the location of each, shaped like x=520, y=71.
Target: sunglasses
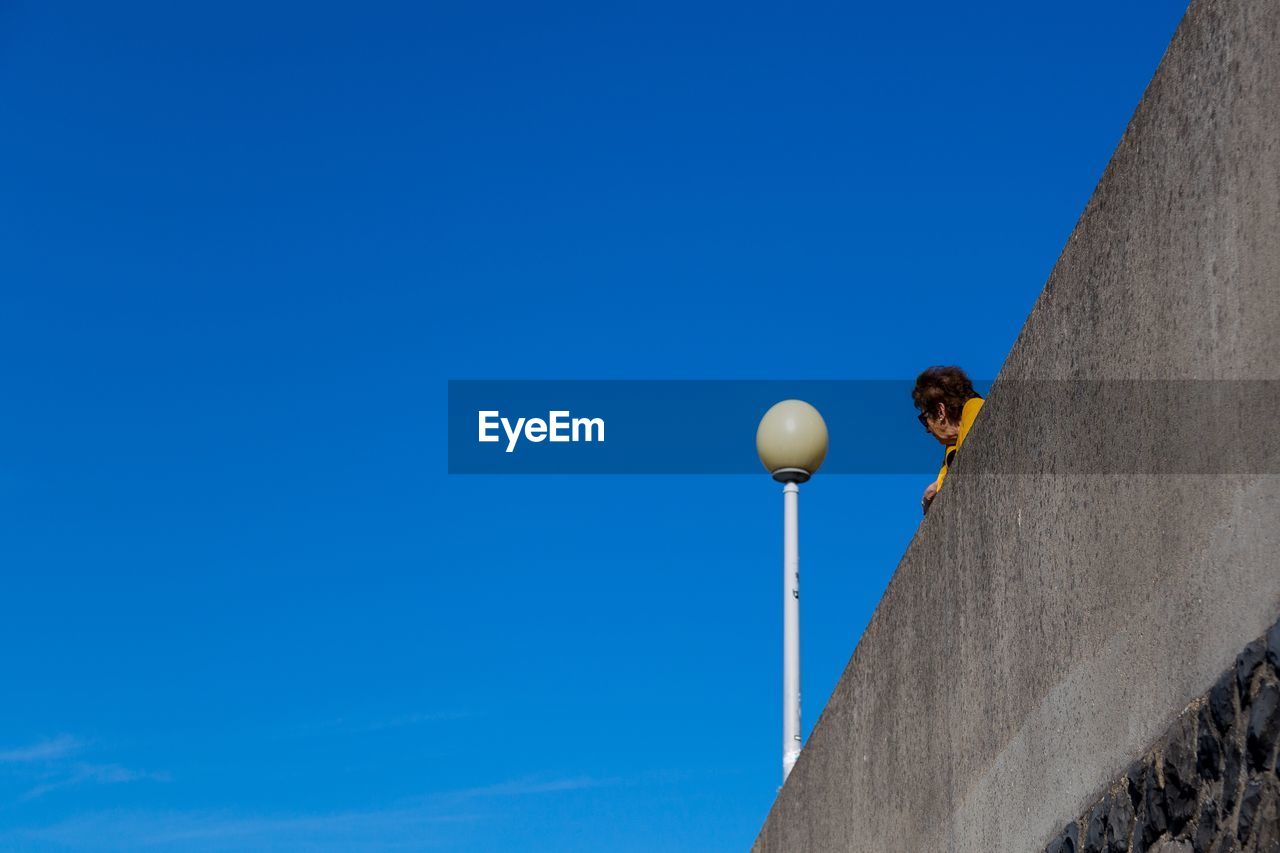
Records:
x=923, y=419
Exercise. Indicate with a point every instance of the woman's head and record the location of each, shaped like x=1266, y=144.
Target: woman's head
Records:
x=940, y=395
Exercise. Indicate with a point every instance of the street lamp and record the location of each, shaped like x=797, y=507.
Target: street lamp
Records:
x=792, y=442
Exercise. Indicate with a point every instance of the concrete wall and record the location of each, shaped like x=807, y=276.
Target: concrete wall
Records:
x=1044, y=629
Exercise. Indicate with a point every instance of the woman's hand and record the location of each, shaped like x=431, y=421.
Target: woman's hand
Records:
x=929, y=494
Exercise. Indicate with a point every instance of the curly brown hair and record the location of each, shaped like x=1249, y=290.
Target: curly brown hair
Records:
x=949, y=386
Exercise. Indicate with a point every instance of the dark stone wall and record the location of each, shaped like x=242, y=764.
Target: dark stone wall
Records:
x=1211, y=784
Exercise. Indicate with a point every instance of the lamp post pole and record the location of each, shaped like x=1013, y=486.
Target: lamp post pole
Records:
x=792, y=442
x=790, y=627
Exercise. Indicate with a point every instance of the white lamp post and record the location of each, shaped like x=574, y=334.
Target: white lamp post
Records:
x=792, y=442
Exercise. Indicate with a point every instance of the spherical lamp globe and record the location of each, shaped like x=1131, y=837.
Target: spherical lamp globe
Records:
x=792, y=441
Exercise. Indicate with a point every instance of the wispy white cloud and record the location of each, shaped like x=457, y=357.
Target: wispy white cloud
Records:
x=82, y=773
x=50, y=749
x=54, y=763
x=532, y=785
x=213, y=830
x=432, y=820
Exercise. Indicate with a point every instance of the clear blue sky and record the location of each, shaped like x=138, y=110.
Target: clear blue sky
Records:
x=245, y=246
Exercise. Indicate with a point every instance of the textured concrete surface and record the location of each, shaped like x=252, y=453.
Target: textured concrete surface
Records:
x=1044, y=629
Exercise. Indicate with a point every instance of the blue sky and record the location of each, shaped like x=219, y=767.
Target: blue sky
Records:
x=246, y=245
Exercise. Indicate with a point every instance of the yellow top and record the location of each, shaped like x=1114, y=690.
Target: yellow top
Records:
x=967, y=416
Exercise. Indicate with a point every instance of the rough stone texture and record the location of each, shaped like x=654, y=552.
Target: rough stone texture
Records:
x=1183, y=809
x=1068, y=841
x=1222, y=702
x=1043, y=629
x=1247, y=664
x=1264, y=726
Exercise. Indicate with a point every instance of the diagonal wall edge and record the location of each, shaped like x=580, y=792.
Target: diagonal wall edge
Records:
x=1043, y=630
